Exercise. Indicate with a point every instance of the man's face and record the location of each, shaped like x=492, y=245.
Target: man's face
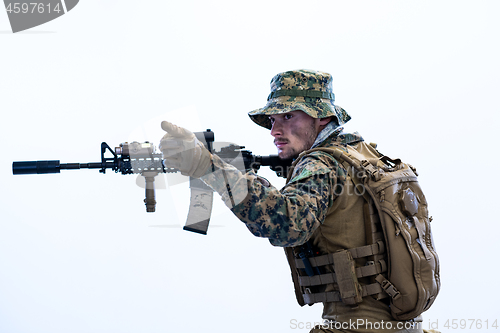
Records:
x=294, y=132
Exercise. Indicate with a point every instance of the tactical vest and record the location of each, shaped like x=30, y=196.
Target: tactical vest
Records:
x=375, y=241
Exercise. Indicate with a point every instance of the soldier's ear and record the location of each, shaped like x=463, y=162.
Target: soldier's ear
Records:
x=325, y=121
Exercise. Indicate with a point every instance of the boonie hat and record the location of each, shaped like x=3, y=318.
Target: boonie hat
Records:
x=305, y=90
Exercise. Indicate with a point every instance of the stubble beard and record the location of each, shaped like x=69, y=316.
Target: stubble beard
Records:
x=311, y=135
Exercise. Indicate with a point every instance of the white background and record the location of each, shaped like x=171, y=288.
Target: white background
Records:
x=78, y=252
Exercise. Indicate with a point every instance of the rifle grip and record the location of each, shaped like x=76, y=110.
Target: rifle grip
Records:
x=150, y=191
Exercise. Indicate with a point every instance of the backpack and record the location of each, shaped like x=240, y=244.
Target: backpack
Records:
x=397, y=228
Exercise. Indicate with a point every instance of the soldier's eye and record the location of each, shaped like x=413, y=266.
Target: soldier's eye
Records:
x=288, y=116
x=271, y=119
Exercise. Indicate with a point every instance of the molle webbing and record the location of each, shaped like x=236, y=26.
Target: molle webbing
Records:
x=345, y=275
x=358, y=252
x=335, y=296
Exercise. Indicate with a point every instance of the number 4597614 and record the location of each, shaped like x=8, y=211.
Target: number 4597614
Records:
x=32, y=7
x=470, y=324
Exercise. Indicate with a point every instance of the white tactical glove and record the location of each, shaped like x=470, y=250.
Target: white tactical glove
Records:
x=182, y=150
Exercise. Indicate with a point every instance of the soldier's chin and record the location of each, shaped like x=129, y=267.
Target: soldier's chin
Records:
x=281, y=153
x=287, y=154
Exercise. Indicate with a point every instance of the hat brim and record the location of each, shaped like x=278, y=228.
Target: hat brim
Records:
x=314, y=107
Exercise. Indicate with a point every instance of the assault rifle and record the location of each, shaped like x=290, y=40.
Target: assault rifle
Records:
x=142, y=158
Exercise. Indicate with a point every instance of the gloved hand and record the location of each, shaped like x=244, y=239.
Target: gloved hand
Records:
x=182, y=150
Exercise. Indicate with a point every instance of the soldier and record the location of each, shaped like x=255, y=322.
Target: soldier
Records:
x=316, y=213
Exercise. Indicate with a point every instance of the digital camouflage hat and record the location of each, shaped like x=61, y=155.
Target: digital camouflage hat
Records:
x=305, y=90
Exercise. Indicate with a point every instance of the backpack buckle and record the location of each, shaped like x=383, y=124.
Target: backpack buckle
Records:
x=371, y=169
x=388, y=287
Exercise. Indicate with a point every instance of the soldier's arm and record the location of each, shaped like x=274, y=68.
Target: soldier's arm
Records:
x=286, y=218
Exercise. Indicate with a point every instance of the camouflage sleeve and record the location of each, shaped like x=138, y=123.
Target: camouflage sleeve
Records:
x=287, y=217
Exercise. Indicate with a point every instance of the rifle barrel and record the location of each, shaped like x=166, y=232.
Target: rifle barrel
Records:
x=71, y=166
